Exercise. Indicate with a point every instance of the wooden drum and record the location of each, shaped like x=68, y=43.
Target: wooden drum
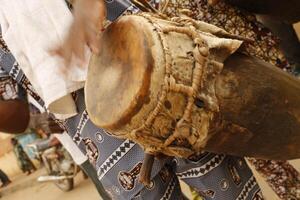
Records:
x=161, y=83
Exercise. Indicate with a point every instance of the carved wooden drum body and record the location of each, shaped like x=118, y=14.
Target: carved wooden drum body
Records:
x=157, y=83
x=161, y=83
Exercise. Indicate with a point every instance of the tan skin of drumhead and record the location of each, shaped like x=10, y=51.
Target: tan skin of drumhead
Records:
x=119, y=77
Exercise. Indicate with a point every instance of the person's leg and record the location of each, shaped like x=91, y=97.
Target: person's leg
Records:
x=29, y=165
x=26, y=168
x=117, y=162
x=216, y=176
x=90, y=171
x=46, y=163
x=32, y=167
x=4, y=178
x=165, y=185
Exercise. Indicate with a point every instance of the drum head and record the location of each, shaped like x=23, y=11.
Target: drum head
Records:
x=119, y=77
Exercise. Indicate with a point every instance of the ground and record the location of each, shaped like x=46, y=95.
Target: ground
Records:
x=84, y=189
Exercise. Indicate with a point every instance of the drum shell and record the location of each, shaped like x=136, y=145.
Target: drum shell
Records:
x=257, y=107
x=179, y=46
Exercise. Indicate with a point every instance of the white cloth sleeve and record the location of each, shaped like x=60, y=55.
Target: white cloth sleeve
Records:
x=72, y=148
x=31, y=29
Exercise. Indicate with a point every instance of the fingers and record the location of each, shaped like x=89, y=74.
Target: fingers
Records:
x=88, y=23
x=77, y=42
x=93, y=40
x=62, y=52
x=102, y=13
x=95, y=25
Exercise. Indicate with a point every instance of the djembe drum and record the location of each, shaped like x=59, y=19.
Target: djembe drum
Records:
x=163, y=87
x=161, y=83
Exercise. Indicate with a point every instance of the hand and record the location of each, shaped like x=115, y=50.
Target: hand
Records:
x=88, y=23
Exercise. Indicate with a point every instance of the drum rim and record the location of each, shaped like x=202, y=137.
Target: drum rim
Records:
x=141, y=94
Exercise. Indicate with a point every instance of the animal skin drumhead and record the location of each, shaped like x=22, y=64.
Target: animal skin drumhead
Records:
x=118, y=78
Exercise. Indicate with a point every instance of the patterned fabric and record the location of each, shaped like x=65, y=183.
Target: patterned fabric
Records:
x=281, y=176
x=237, y=173
x=9, y=88
x=237, y=22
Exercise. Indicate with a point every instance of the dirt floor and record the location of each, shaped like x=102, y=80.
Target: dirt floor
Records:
x=84, y=189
